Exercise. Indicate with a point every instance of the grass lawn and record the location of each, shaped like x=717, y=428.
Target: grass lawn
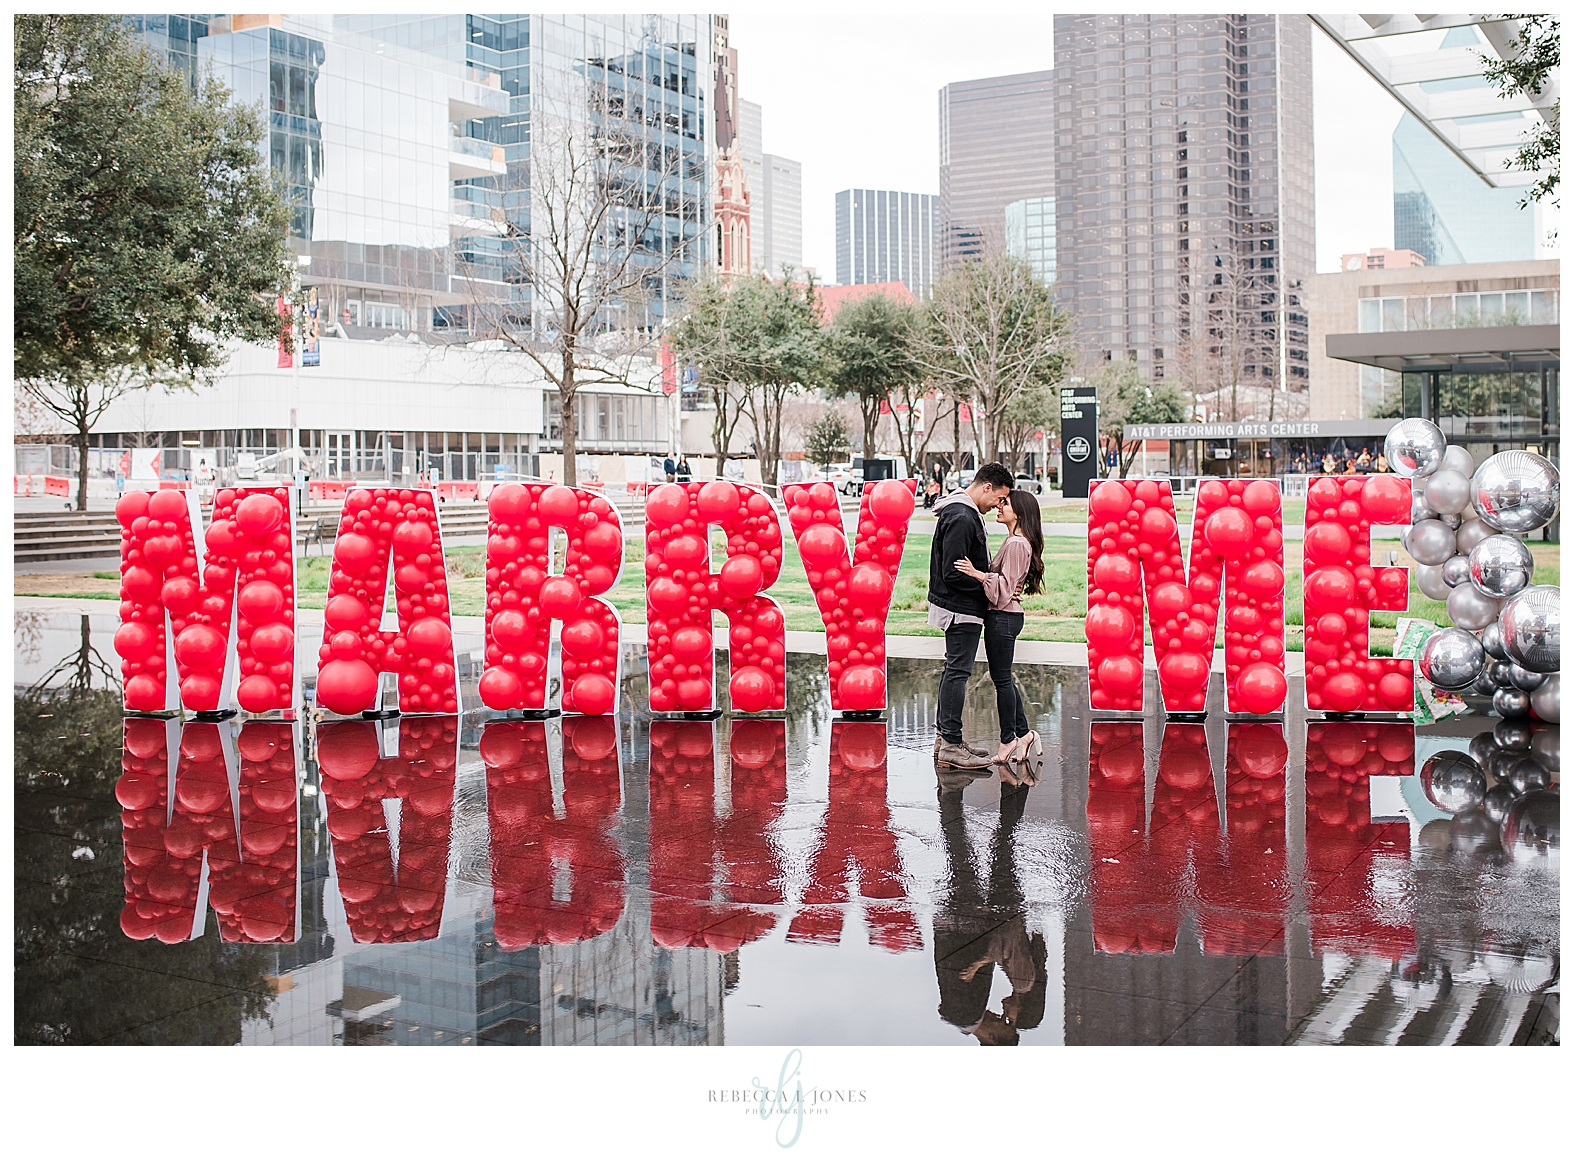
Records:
x=1055, y=615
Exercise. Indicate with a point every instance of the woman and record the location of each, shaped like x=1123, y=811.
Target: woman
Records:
x=1017, y=568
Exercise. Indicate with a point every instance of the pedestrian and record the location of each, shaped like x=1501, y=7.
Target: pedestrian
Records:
x=1017, y=568
x=671, y=469
x=957, y=603
x=684, y=474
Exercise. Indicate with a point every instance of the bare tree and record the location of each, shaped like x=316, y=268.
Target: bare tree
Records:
x=994, y=331
x=916, y=419
x=592, y=230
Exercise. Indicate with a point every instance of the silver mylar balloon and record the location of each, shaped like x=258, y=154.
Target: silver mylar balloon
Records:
x=1512, y=737
x=1516, y=491
x=1532, y=830
x=1430, y=541
x=1447, y=491
x=1492, y=640
x=1470, y=533
x=1470, y=609
x=1485, y=683
x=1456, y=570
x=1524, y=678
x=1496, y=802
x=1452, y=520
x=1457, y=458
x=1415, y=447
x=1532, y=624
x=1500, y=671
x=1453, y=782
x=1482, y=746
x=1451, y=658
x=1548, y=702
x=1501, y=566
x=1418, y=509
x=1429, y=578
x=1504, y=760
x=1527, y=774
x=1544, y=742
x=1511, y=702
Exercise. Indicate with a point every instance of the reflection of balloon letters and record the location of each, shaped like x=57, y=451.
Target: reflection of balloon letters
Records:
x=854, y=594
x=1341, y=590
x=1237, y=553
x=167, y=574
x=523, y=599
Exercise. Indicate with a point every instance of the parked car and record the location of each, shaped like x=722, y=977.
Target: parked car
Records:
x=1028, y=483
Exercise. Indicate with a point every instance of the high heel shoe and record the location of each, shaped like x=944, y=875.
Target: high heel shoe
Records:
x=1031, y=748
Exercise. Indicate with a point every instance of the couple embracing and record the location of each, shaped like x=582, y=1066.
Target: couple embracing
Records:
x=970, y=595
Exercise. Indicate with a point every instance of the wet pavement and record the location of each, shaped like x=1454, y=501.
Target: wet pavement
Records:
x=797, y=881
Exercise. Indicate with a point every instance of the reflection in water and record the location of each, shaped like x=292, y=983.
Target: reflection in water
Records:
x=856, y=839
x=437, y=880
x=389, y=819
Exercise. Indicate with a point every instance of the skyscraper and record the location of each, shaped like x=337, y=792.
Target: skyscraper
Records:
x=997, y=145
x=883, y=235
x=1184, y=200
x=780, y=242
x=751, y=151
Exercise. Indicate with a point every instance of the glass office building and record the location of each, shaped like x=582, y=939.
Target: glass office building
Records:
x=1183, y=150
x=884, y=235
x=1030, y=235
x=1445, y=213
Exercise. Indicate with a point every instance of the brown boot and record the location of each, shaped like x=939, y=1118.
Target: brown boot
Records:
x=960, y=756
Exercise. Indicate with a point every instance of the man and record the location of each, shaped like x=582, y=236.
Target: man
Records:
x=670, y=469
x=957, y=603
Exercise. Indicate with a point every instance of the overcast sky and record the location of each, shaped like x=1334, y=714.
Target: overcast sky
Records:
x=855, y=98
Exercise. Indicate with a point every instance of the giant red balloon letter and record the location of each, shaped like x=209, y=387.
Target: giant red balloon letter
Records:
x=523, y=599
x=354, y=651
x=168, y=577
x=854, y=596
x=681, y=591
x=1341, y=589
x=1237, y=547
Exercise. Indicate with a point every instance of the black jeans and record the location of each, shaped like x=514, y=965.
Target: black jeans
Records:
x=961, y=646
x=1000, y=645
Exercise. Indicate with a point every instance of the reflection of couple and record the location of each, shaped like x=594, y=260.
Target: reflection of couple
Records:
x=980, y=924
x=969, y=595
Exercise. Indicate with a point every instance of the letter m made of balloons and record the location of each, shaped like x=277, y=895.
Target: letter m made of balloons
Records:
x=1134, y=556
x=207, y=619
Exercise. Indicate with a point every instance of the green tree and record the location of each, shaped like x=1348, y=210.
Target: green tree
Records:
x=764, y=339
x=148, y=233
x=706, y=334
x=871, y=346
x=1525, y=62
x=828, y=440
x=993, y=332
x=1124, y=397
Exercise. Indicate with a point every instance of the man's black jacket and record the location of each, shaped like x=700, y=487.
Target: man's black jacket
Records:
x=959, y=534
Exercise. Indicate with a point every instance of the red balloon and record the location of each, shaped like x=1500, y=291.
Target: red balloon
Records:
x=430, y=637
x=500, y=689
x=870, y=585
x=1396, y=691
x=134, y=641
x=583, y=639
x=1327, y=542
x=690, y=645
x=1260, y=688
x=742, y=576
x=1229, y=532
x=665, y=506
x=200, y=692
x=751, y=690
x=344, y=613
x=1260, y=498
x=200, y=647
x=163, y=551
x=604, y=542
x=718, y=500
x=1343, y=693
x=167, y=505
x=257, y=694
x=1117, y=572
x=593, y=694
x=1264, y=580
x=1185, y=672
x=890, y=503
x=1120, y=674
x=509, y=503
x=1158, y=526
x=1386, y=499
x=1109, y=501
x=862, y=688
x=347, y=750
x=131, y=507
x=1109, y=627
x=689, y=553
x=272, y=643
x=347, y=687
x=259, y=514
x=1330, y=589
x=413, y=537
x=354, y=553
x=823, y=545
x=667, y=596
x=559, y=505
x=144, y=694
x=560, y=598
x=140, y=584
x=693, y=695
x=593, y=740
x=1260, y=750
x=1170, y=600
x=262, y=602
